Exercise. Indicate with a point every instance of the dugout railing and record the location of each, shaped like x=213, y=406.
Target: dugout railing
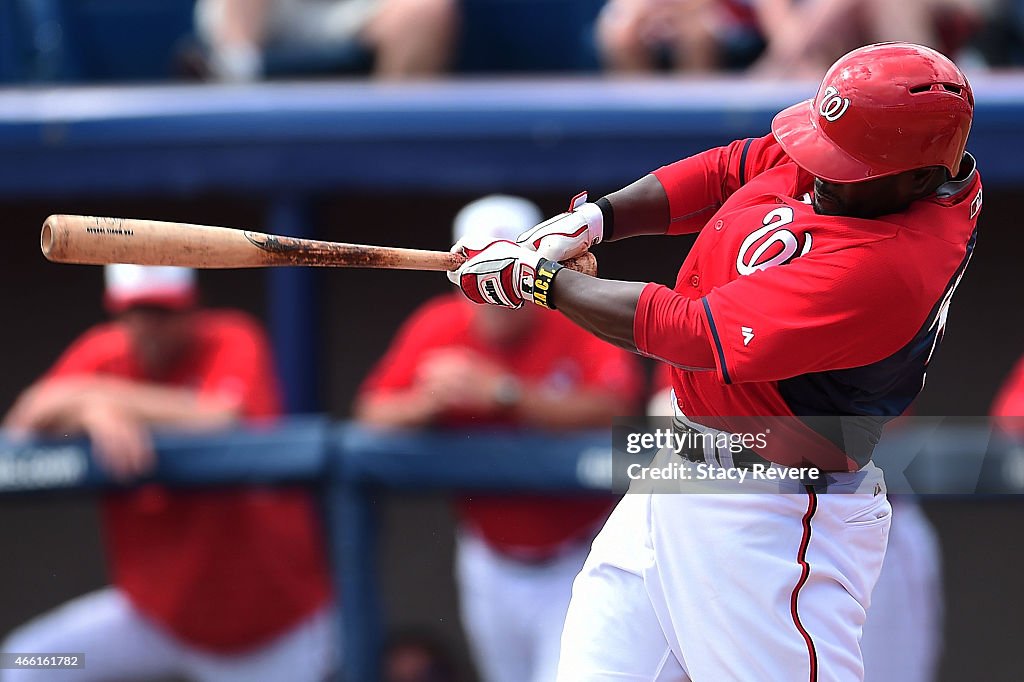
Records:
x=347, y=465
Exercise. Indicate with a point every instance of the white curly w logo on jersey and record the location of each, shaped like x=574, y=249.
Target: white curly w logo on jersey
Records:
x=772, y=244
x=832, y=106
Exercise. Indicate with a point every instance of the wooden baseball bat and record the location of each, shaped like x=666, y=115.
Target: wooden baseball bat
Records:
x=98, y=241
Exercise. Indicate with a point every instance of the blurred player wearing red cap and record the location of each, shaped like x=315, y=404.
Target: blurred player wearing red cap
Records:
x=1009, y=401
x=455, y=365
x=818, y=287
x=207, y=584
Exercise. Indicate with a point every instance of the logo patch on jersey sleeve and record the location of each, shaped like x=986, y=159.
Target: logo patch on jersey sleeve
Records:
x=976, y=204
x=748, y=335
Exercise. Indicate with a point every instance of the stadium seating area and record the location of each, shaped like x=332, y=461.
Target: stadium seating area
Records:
x=73, y=41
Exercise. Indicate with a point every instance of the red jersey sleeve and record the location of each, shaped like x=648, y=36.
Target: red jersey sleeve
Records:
x=240, y=367
x=94, y=352
x=670, y=327
x=827, y=311
x=698, y=186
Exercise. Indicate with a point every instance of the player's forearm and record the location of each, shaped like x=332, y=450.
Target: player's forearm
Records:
x=46, y=405
x=605, y=308
x=637, y=209
x=180, y=407
x=403, y=409
x=557, y=410
x=59, y=403
x=648, y=319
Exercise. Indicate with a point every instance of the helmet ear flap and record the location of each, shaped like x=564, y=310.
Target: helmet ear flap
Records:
x=928, y=179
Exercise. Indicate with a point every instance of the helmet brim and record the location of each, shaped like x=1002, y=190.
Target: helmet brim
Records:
x=796, y=129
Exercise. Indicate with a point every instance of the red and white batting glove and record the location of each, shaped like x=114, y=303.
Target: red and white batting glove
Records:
x=568, y=234
x=501, y=273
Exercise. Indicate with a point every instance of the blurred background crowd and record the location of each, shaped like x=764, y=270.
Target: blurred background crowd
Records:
x=233, y=583
x=247, y=40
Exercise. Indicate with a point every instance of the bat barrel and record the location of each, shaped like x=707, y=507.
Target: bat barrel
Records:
x=92, y=240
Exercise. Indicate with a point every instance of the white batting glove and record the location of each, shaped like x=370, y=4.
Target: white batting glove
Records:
x=501, y=273
x=568, y=234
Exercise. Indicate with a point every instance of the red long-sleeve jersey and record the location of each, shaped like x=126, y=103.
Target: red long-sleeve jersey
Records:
x=779, y=311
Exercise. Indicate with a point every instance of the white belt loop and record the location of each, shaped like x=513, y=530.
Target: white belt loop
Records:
x=725, y=455
x=713, y=454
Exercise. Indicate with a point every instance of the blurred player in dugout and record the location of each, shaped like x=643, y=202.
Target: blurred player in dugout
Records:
x=207, y=584
x=455, y=364
x=1009, y=401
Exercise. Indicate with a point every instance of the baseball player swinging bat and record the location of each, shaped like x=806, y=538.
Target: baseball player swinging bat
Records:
x=93, y=240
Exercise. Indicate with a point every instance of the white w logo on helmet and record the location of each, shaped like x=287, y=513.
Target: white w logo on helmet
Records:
x=832, y=106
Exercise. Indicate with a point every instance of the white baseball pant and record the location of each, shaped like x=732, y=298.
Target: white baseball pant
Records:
x=729, y=586
x=120, y=643
x=513, y=612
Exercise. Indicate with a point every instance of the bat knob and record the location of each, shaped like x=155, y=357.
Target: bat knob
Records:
x=586, y=263
x=46, y=237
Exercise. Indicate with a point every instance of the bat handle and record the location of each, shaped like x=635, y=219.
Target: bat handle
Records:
x=586, y=263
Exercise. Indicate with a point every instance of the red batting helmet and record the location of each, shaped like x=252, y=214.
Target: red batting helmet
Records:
x=880, y=110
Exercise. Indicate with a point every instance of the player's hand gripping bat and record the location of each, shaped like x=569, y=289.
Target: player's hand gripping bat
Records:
x=99, y=241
